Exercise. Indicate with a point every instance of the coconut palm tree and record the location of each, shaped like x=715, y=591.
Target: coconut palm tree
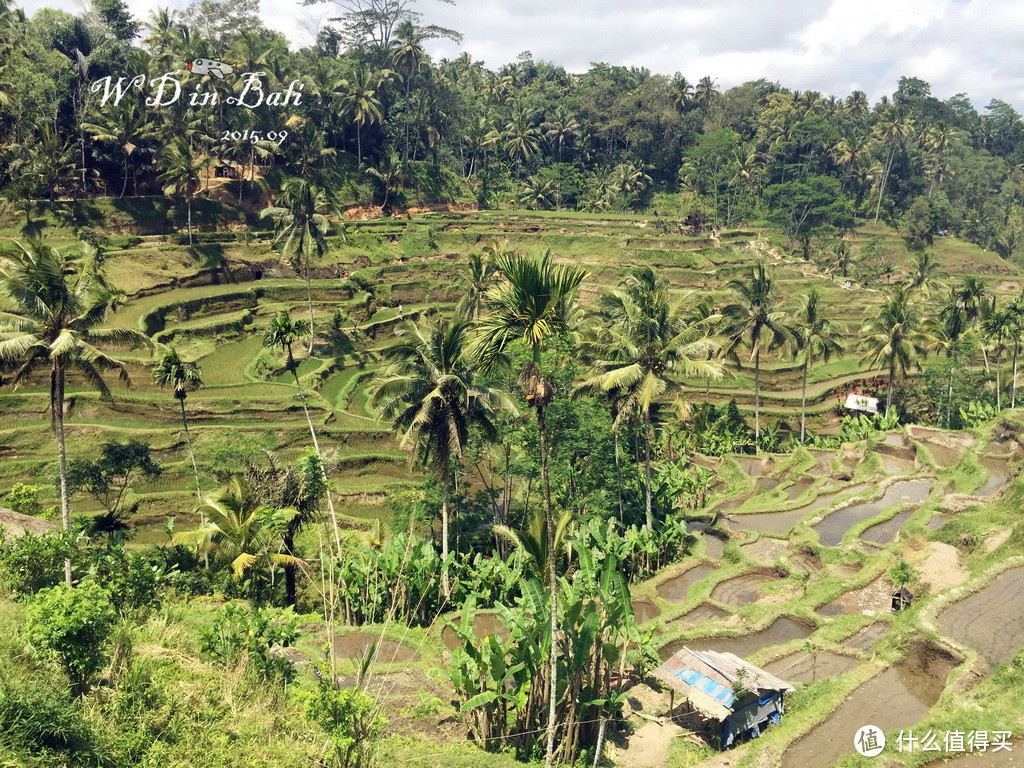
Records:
x=1016, y=331
x=123, y=125
x=428, y=393
x=898, y=335
x=818, y=336
x=893, y=130
x=755, y=319
x=302, y=223
x=926, y=273
x=281, y=334
x=972, y=295
x=948, y=326
x=184, y=378
x=57, y=302
x=650, y=339
x=358, y=99
x=180, y=174
x=534, y=303
x=473, y=283
x=997, y=328
x=240, y=531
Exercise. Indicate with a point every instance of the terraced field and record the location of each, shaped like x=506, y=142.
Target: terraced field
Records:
x=216, y=314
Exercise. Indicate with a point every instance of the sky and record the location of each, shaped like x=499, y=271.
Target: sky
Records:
x=832, y=46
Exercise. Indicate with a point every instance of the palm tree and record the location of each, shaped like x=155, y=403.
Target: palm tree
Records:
x=409, y=58
x=898, y=335
x=388, y=172
x=535, y=303
x=818, y=336
x=240, y=531
x=972, y=295
x=185, y=378
x=281, y=334
x=948, y=327
x=473, y=283
x=756, y=320
x=57, y=303
x=895, y=128
x=926, y=273
x=997, y=327
x=650, y=339
x=122, y=126
x=358, y=100
x=1017, y=329
x=705, y=93
x=302, y=223
x=180, y=174
x=561, y=129
x=428, y=394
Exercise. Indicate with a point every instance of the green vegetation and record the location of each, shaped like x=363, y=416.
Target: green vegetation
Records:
x=344, y=540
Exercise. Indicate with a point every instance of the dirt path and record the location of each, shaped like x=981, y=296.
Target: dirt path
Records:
x=17, y=524
x=647, y=747
x=940, y=567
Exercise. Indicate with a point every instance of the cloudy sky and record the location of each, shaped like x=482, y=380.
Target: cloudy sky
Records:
x=834, y=46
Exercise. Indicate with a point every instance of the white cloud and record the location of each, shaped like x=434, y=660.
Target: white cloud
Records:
x=970, y=46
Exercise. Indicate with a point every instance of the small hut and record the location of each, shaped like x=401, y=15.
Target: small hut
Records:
x=901, y=599
x=225, y=171
x=735, y=698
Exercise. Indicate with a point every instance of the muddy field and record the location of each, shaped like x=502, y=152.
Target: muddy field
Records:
x=990, y=621
x=897, y=698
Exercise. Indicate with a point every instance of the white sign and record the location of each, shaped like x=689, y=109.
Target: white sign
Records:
x=862, y=403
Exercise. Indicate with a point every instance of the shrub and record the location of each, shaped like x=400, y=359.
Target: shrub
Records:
x=33, y=562
x=24, y=499
x=72, y=626
x=238, y=635
x=350, y=719
x=40, y=721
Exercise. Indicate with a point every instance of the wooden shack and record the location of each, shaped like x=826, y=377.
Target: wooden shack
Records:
x=901, y=599
x=735, y=699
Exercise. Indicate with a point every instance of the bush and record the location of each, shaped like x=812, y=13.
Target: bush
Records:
x=40, y=721
x=24, y=499
x=350, y=719
x=33, y=562
x=72, y=626
x=238, y=635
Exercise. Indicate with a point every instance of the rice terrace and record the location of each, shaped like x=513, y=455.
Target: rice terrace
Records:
x=632, y=422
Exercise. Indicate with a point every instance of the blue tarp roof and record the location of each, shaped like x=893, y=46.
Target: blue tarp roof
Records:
x=720, y=693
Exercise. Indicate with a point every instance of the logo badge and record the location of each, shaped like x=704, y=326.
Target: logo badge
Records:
x=869, y=740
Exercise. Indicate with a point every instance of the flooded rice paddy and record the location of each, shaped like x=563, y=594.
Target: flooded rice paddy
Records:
x=990, y=621
x=702, y=614
x=741, y=590
x=803, y=667
x=781, y=631
x=388, y=651
x=897, y=698
x=832, y=529
x=885, y=533
x=643, y=611
x=675, y=590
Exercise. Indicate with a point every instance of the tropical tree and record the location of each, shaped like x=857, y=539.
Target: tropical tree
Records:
x=180, y=174
x=57, y=302
x=818, y=336
x=898, y=336
x=650, y=339
x=473, y=283
x=281, y=334
x=428, y=394
x=184, y=377
x=240, y=532
x=359, y=100
x=893, y=130
x=972, y=295
x=997, y=328
x=302, y=223
x=756, y=320
x=926, y=273
x=534, y=303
